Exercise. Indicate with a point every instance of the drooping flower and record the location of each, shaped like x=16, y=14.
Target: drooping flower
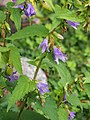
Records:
x=12, y=77
x=71, y=115
x=44, y=45
x=59, y=55
x=29, y=10
x=73, y=24
x=43, y=88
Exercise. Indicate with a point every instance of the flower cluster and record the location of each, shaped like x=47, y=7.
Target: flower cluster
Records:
x=12, y=77
x=27, y=8
x=57, y=52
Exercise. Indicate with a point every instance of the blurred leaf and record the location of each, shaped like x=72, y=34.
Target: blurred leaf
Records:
x=16, y=15
x=15, y=58
x=87, y=80
x=74, y=100
x=24, y=86
x=30, y=31
x=4, y=49
x=63, y=114
x=20, y=1
x=49, y=109
x=2, y=62
x=64, y=13
x=2, y=17
x=87, y=89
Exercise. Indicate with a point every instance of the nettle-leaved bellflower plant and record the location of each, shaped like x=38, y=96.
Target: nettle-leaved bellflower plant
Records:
x=43, y=88
x=59, y=55
x=71, y=115
x=44, y=45
x=73, y=24
x=12, y=77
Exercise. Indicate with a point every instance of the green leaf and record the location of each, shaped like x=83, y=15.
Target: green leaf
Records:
x=2, y=17
x=2, y=62
x=61, y=69
x=20, y=1
x=15, y=58
x=4, y=49
x=64, y=13
x=34, y=30
x=87, y=80
x=49, y=109
x=87, y=89
x=24, y=86
x=74, y=100
x=16, y=15
x=63, y=114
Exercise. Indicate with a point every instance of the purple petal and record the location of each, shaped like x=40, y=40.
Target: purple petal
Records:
x=14, y=1
x=21, y=6
x=43, y=88
x=29, y=11
x=73, y=24
x=12, y=77
x=71, y=115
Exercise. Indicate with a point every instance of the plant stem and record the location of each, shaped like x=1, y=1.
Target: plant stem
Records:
x=35, y=75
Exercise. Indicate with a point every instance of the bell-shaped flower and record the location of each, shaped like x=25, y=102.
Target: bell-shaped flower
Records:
x=29, y=10
x=59, y=55
x=73, y=24
x=44, y=45
x=14, y=1
x=43, y=88
x=71, y=115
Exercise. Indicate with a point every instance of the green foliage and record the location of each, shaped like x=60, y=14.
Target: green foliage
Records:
x=49, y=109
x=87, y=89
x=15, y=58
x=16, y=17
x=24, y=86
x=30, y=31
x=2, y=17
x=63, y=114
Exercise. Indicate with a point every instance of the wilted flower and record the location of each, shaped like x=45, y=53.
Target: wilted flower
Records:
x=43, y=88
x=12, y=77
x=44, y=45
x=71, y=115
x=29, y=10
x=73, y=24
x=59, y=55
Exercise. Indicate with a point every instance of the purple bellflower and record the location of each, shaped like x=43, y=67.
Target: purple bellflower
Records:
x=59, y=55
x=73, y=24
x=43, y=88
x=29, y=10
x=71, y=115
x=12, y=77
x=44, y=45
x=21, y=6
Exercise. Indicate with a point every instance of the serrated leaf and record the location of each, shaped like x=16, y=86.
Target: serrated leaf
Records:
x=49, y=109
x=63, y=114
x=24, y=86
x=2, y=17
x=15, y=58
x=64, y=13
x=74, y=100
x=16, y=15
x=34, y=30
